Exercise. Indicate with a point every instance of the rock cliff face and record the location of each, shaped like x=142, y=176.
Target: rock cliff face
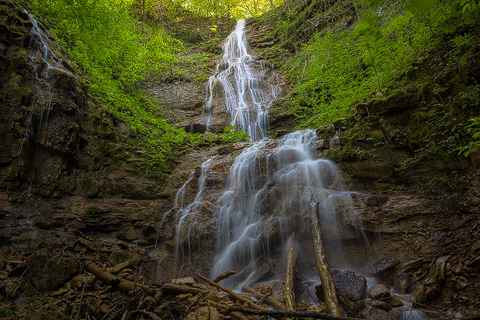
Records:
x=68, y=170
x=42, y=105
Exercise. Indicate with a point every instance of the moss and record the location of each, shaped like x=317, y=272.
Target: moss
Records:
x=6, y=312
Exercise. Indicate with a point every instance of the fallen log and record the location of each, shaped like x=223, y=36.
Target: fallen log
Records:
x=288, y=290
x=268, y=299
x=232, y=294
x=328, y=285
x=121, y=266
x=180, y=289
x=224, y=276
x=110, y=279
x=290, y=314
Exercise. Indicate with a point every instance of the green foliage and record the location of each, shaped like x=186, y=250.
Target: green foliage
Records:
x=105, y=40
x=469, y=6
x=473, y=129
x=229, y=135
x=337, y=70
x=209, y=8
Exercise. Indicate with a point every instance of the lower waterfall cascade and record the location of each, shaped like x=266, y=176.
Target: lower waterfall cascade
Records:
x=272, y=190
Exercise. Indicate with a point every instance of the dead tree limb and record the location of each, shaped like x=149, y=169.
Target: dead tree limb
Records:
x=328, y=286
x=268, y=299
x=110, y=279
x=224, y=275
x=232, y=294
x=121, y=266
x=291, y=314
x=288, y=290
x=179, y=289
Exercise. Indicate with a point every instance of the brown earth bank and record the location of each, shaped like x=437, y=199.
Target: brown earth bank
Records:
x=71, y=194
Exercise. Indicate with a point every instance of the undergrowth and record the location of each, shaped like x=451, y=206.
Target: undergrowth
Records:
x=337, y=70
x=105, y=40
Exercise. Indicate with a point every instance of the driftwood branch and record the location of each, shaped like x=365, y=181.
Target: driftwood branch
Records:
x=224, y=275
x=126, y=264
x=110, y=279
x=291, y=314
x=268, y=299
x=179, y=289
x=288, y=290
x=232, y=294
x=328, y=286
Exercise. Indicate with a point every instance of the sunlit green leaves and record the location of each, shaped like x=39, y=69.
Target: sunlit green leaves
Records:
x=106, y=41
x=338, y=70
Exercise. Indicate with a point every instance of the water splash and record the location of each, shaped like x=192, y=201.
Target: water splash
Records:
x=271, y=192
x=247, y=96
x=186, y=213
x=413, y=314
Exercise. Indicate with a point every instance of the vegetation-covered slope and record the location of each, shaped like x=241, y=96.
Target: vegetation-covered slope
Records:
x=347, y=53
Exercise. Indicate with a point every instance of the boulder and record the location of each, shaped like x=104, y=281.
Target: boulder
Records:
x=380, y=292
x=196, y=128
x=379, y=304
x=349, y=285
x=384, y=266
x=372, y=313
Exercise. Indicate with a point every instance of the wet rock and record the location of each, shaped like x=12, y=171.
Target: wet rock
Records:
x=348, y=284
x=384, y=266
x=196, y=128
x=372, y=313
x=396, y=302
x=378, y=304
x=403, y=282
x=379, y=292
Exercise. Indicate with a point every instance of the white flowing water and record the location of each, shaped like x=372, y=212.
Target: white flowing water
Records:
x=273, y=188
x=45, y=63
x=40, y=48
x=186, y=214
x=247, y=97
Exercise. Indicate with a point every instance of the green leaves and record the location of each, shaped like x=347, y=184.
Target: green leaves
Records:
x=104, y=39
x=338, y=70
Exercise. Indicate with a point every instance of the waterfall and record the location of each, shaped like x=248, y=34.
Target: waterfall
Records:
x=246, y=94
x=40, y=47
x=43, y=61
x=271, y=191
x=186, y=213
x=273, y=188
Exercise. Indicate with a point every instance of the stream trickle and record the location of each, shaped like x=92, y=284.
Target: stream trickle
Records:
x=186, y=213
x=45, y=64
x=273, y=187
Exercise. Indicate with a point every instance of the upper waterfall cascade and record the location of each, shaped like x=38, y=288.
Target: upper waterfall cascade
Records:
x=246, y=94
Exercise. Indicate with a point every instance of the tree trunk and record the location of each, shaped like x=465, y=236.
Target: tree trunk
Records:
x=288, y=292
x=328, y=286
